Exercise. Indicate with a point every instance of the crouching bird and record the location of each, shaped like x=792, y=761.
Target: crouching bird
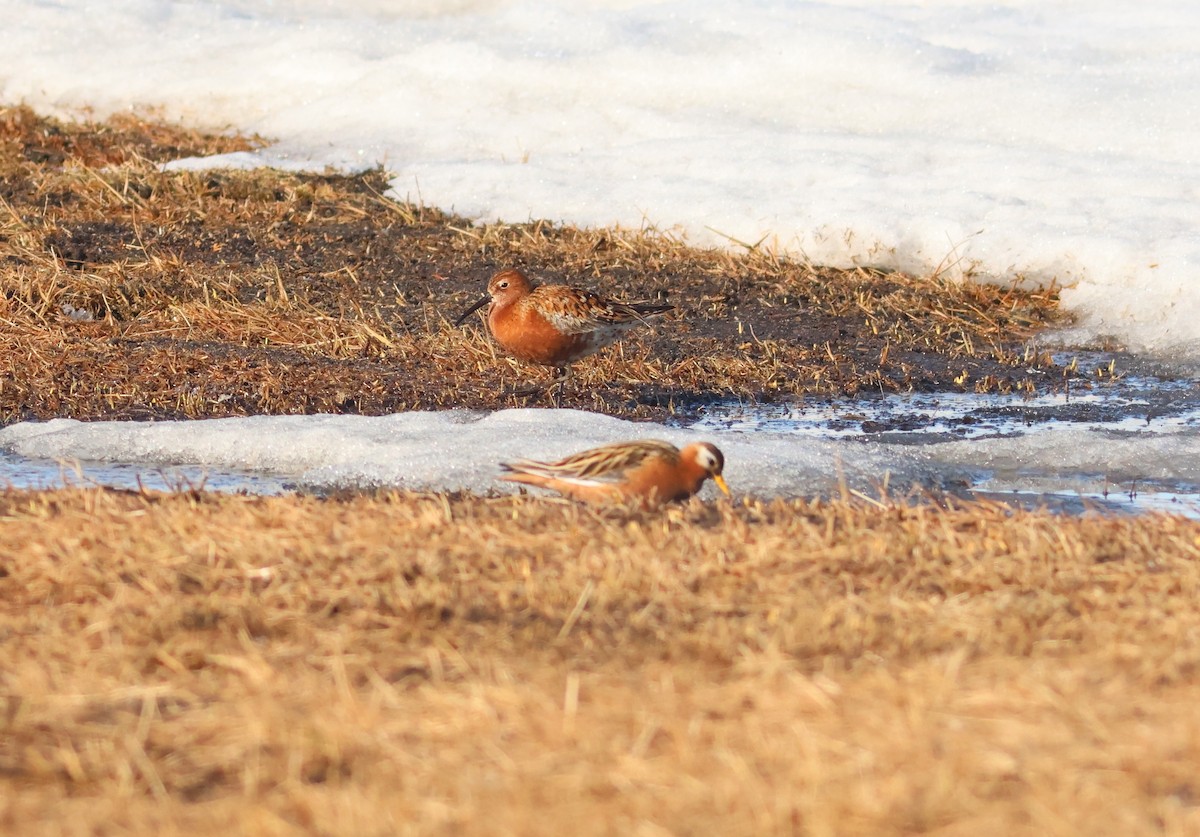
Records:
x=648, y=472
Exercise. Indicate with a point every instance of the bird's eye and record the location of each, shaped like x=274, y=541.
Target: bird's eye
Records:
x=502, y=285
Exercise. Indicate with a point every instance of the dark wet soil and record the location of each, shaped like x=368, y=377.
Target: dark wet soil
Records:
x=97, y=227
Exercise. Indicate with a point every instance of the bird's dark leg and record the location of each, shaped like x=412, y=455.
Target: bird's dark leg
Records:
x=558, y=383
x=525, y=392
x=561, y=374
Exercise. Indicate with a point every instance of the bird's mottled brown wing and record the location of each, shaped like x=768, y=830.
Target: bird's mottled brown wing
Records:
x=576, y=311
x=609, y=463
x=569, y=310
x=618, y=313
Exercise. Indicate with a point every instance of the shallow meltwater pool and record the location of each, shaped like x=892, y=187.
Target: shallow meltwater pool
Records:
x=39, y=473
x=1130, y=444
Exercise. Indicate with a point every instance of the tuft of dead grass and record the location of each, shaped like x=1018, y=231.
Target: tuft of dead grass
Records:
x=131, y=291
x=433, y=664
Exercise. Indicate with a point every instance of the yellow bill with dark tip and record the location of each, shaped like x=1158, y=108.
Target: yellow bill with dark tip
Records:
x=720, y=481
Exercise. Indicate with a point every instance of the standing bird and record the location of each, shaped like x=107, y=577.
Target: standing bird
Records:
x=648, y=471
x=555, y=325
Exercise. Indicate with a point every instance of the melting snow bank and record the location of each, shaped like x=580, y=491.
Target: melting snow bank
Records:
x=1053, y=140
x=455, y=450
x=1137, y=465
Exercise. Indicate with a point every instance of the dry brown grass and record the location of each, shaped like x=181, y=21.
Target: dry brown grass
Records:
x=234, y=293
x=409, y=664
x=422, y=664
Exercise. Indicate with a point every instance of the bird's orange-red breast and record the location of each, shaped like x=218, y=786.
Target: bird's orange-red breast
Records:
x=554, y=325
x=648, y=472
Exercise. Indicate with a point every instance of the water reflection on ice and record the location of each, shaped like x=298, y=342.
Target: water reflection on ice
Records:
x=37, y=473
x=1131, y=445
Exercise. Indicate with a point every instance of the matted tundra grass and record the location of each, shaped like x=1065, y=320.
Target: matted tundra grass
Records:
x=380, y=664
x=129, y=291
x=406, y=664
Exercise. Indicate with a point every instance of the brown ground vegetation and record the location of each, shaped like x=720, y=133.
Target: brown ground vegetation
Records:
x=231, y=293
x=404, y=664
x=425, y=664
